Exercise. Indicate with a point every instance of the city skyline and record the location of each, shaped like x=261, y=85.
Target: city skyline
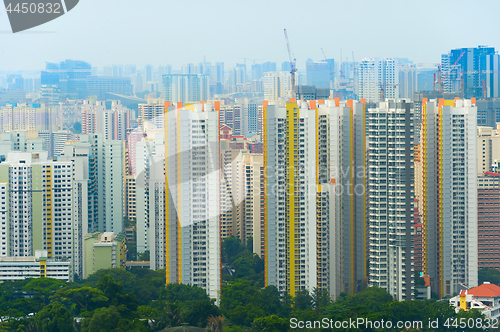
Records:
x=258, y=38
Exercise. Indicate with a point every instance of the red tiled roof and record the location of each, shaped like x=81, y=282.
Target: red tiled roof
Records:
x=485, y=290
x=491, y=174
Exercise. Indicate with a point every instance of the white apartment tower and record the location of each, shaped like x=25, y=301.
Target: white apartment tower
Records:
x=450, y=212
x=378, y=78
x=277, y=85
x=315, y=226
x=37, y=209
x=192, y=166
x=391, y=197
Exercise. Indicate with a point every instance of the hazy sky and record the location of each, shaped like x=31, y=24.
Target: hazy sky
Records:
x=158, y=32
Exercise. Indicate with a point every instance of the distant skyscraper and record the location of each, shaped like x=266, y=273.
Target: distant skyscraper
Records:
x=277, y=85
x=285, y=66
x=268, y=66
x=407, y=81
x=99, y=85
x=257, y=71
x=318, y=73
x=391, y=198
x=473, y=72
x=70, y=76
x=377, y=77
x=217, y=72
x=128, y=70
x=185, y=87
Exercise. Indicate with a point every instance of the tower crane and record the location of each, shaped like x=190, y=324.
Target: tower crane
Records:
x=292, y=65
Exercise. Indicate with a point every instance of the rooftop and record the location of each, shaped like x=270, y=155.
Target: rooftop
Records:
x=485, y=290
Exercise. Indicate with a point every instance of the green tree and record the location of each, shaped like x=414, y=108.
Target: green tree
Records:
x=271, y=323
x=43, y=288
x=54, y=317
x=144, y=256
x=103, y=320
x=303, y=300
x=181, y=293
x=125, y=303
x=196, y=312
x=84, y=299
x=490, y=275
x=230, y=249
x=320, y=299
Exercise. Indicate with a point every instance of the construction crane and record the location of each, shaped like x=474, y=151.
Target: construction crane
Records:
x=441, y=81
x=353, y=68
x=341, y=71
x=293, y=67
x=331, y=73
x=382, y=89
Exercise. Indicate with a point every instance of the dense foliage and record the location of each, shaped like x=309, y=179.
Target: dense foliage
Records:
x=137, y=300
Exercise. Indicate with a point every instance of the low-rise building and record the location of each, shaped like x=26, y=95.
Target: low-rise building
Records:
x=103, y=251
x=38, y=266
x=485, y=298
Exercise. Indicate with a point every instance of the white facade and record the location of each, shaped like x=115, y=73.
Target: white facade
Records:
x=193, y=173
x=148, y=152
x=38, y=210
x=459, y=197
x=391, y=197
x=185, y=87
x=20, y=268
x=277, y=85
x=375, y=75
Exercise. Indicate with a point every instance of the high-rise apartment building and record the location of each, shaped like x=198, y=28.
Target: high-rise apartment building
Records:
x=391, y=197
x=192, y=167
x=85, y=196
x=106, y=173
x=28, y=117
x=378, y=78
x=148, y=151
x=152, y=112
x=449, y=199
x=114, y=123
x=277, y=85
x=185, y=87
x=488, y=204
x=488, y=148
x=315, y=226
x=37, y=209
